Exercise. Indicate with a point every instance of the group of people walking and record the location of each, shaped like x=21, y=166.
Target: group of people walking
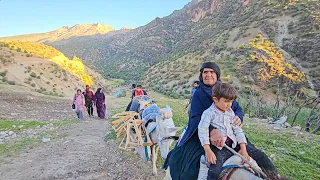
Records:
x=89, y=100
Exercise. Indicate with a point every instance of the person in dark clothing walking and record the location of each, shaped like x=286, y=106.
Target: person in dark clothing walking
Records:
x=100, y=103
x=88, y=95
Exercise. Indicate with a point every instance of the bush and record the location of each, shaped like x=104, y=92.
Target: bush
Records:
x=41, y=90
x=38, y=77
x=3, y=73
x=123, y=94
x=33, y=74
x=4, y=79
x=48, y=82
x=33, y=84
x=26, y=81
x=11, y=82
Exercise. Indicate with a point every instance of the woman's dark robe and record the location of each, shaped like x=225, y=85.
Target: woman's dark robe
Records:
x=100, y=103
x=184, y=160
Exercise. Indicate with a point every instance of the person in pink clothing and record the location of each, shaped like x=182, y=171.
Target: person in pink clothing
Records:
x=78, y=101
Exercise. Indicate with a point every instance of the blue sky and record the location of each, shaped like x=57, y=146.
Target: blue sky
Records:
x=34, y=16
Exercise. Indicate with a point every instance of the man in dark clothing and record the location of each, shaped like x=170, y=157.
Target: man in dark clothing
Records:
x=196, y=84
x=134, y=87
x=132, y=92
x=88, y=96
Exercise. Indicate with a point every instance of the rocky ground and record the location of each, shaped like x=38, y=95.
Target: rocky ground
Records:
x=19, y=105
x=77, y=151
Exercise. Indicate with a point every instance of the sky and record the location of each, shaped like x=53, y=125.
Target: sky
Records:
x=37, y=16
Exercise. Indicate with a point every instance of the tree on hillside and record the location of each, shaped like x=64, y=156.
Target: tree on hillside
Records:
x=271, y=66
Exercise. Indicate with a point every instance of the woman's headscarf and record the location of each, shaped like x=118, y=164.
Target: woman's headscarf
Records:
x=87, y=88
x=98, y=91
x=216, y=69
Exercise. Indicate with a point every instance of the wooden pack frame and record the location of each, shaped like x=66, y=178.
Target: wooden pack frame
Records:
x=127, y=122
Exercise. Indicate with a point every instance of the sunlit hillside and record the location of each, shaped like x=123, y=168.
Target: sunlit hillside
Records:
x=74, y=66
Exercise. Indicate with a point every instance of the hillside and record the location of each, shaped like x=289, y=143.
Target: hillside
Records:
x=24, y=64
x=207, y=30
x=64, y=33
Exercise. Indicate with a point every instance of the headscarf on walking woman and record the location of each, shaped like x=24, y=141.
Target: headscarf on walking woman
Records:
x=100, y=103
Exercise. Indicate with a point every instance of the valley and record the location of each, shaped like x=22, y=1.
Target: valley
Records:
x=269, y=51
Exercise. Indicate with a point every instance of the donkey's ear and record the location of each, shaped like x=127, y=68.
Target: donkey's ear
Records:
x=158, y=120
x=174, y=129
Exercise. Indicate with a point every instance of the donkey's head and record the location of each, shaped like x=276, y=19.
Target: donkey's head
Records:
x=166, y=131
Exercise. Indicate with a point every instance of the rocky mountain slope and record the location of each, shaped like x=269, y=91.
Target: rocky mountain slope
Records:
x=51, y=76
x=207, y=29
x=64, y=33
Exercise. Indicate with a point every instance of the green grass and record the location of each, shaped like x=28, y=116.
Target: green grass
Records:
x=111, y=135
x=10, y=148
x=7, y=125
x=297, y=155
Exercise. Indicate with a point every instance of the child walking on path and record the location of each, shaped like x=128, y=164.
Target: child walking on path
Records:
x=78, y=101
x=221, y=116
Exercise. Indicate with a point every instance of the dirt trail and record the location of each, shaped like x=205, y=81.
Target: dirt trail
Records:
x=81, y=152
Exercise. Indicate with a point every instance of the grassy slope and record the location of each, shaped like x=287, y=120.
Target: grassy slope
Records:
x=294, y=154
x=9, y=149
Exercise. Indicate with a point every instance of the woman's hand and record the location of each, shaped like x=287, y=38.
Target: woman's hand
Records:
x=237, y=121
x=216, y=138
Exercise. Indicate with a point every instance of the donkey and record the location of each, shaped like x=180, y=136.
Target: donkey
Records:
x=235, y=169
x=162, y=131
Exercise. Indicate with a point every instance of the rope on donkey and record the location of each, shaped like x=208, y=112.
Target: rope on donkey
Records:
x=258, y=171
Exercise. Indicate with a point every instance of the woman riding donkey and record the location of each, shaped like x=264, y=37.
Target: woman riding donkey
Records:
x=220, y=116
x=184, y=160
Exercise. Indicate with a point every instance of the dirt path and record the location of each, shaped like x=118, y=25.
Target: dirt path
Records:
x=81, y=152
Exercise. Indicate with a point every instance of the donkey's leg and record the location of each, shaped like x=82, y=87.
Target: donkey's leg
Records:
x=154, y=159
x=168, y=175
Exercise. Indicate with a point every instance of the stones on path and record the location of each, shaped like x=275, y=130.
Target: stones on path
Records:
x=30, y=133
x=6, y=135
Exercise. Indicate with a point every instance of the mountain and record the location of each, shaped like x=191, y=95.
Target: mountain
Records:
x=64, y=33
x=126, y=28
x=46, y=70
x=208, y=30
